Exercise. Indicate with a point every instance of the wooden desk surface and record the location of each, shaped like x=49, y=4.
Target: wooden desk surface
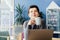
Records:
x=55, y=38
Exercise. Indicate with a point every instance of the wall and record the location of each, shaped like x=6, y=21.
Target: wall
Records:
x=42, y=4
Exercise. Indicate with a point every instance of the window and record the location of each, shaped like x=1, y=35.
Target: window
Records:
x=6, y=14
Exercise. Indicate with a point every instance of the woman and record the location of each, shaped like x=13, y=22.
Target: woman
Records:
x=33, y=13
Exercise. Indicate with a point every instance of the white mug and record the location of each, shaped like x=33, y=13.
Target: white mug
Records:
x=38, y=20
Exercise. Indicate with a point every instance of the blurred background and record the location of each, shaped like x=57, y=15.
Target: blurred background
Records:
x=13, y=13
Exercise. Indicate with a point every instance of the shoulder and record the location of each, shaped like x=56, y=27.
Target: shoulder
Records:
x=42, y=20
x=43, y=23
x=25, y=23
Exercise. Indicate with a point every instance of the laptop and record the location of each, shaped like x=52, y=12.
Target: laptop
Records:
x=40, y=34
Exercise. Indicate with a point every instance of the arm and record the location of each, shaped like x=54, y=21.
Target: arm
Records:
x=25, y=29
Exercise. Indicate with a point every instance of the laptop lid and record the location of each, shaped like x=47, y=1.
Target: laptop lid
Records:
x=40, y=34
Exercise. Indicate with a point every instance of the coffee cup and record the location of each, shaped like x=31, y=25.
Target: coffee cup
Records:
x=38, y=21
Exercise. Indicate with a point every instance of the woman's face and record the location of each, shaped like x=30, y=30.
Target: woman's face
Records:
x=33, y=13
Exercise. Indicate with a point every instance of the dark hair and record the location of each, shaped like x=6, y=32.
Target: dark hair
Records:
x=34, y=6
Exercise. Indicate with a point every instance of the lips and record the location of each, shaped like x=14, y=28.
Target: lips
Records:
x=34, y=15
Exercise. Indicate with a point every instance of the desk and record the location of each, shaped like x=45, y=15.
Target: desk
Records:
x=55, y=38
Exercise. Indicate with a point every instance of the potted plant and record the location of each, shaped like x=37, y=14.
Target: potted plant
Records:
x=19, y=18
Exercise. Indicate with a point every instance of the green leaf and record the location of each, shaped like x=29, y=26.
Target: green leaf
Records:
x=19, y=10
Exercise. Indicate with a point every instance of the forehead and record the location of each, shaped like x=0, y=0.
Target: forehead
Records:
x=32, y=9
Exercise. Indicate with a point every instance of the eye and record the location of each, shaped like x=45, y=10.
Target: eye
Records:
x=31, y=11
x=36, y=11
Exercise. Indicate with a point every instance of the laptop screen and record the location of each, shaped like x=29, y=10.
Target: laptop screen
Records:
x=40, y=34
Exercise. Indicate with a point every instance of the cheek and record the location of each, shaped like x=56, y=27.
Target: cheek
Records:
x=30, y=15
x=37, y=14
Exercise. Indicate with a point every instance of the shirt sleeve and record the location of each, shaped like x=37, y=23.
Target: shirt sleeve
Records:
x=25, y=30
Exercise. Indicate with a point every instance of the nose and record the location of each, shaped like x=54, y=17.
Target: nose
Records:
x=33, y=12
